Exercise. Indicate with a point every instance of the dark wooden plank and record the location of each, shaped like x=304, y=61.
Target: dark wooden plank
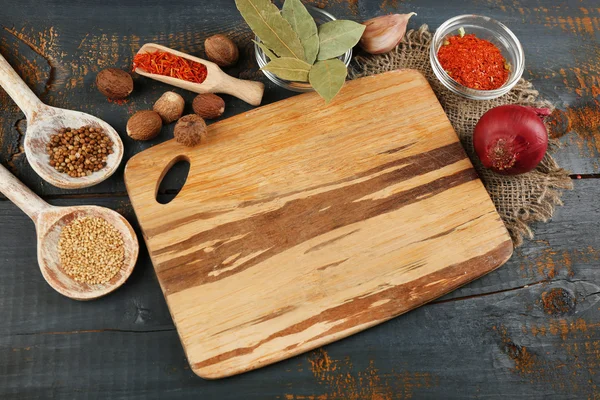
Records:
x=495, y=355
x=137, y=305
x=559, y=252
x=530, y=329
x=560, y=42
x=564, y=248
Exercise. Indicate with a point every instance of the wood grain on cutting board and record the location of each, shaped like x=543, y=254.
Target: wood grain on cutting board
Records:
x=301, y=223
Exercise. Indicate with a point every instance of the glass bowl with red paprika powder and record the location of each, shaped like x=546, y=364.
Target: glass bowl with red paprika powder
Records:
x=476, y=57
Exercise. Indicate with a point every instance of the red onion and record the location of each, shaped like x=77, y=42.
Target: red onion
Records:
x=511, y=139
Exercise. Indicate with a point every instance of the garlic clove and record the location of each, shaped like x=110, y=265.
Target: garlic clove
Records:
x=384, y=33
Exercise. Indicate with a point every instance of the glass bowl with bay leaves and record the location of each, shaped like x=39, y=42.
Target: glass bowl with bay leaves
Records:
x=320, y=17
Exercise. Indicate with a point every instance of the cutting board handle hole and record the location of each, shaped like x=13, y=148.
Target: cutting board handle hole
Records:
x=173, y=179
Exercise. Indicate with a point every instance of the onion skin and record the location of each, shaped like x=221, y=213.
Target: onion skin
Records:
x=511, y=139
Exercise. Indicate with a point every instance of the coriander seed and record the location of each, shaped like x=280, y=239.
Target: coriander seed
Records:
x=79, y=152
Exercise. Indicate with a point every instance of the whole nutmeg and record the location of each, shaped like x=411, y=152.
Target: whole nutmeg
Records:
x=190, y=130
x=114, y=83
x=221, y=50
x=208, y=105
x=144, y=125
x=169, y=106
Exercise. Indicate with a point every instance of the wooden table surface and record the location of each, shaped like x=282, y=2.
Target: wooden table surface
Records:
x=529, y=330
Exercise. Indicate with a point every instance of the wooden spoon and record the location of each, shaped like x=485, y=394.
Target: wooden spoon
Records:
x=49, y=221
x=216, y=80
x=43, y=121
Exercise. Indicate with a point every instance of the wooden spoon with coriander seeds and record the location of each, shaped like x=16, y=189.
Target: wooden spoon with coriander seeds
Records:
x=43, y=121
x=216, y=80
x=49, y=223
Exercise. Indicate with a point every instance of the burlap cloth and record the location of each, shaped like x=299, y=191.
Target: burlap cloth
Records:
x=520, y=200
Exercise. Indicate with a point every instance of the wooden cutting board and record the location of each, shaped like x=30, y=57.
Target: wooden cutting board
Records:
x=301, y=223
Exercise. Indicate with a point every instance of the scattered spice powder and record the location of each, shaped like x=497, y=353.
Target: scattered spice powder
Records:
x=91, y=250
x=79, y=152
x=473, y=62
x=558, y=301
x=168, y=64
x=118, y=101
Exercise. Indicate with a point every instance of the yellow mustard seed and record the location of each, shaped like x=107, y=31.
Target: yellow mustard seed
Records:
x=91, y=250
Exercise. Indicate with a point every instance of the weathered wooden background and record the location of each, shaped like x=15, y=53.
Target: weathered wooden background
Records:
x=530, y=329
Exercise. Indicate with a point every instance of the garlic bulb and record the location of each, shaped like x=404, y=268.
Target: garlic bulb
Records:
x=384, y=33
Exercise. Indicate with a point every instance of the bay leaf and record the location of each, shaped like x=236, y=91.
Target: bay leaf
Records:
x=327, y=77
x=337, y=37
x=266, y=50
x=274, y=31
x=289, y=68
x=304, y=25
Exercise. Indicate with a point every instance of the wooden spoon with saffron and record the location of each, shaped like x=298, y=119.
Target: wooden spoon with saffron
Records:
x=216, y=80
x=43, y=121
x=49, y=221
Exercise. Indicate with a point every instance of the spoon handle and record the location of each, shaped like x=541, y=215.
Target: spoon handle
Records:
x=249, y=91
x=21, y=195
x=17, y=89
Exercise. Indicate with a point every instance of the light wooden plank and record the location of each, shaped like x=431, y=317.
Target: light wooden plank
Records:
x=302, y=224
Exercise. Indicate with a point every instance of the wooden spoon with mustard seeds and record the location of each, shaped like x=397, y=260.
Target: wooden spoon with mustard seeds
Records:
x=216, y=80
x=44, y=121
x=49, y=221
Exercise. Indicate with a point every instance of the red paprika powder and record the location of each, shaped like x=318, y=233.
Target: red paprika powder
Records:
x=473, y=62
x=163, y=63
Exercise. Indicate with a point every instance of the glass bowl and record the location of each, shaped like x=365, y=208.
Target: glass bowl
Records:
x=320, y=17
x=484, y=28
